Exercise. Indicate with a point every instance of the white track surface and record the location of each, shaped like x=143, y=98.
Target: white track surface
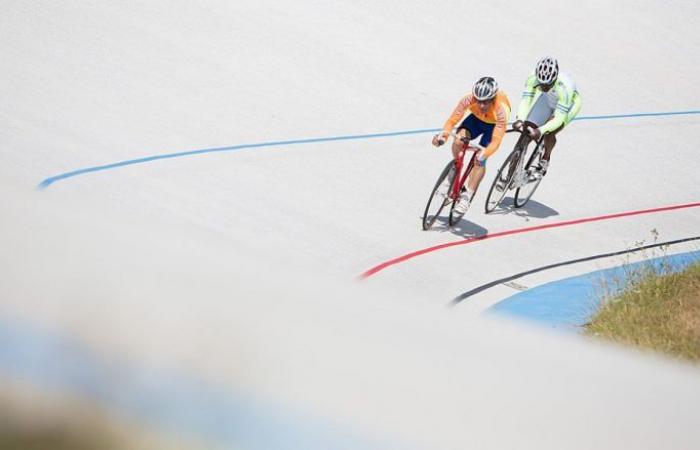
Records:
x=240, y=267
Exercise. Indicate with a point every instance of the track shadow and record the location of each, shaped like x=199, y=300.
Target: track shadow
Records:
x=464, y=228
x=532, y=209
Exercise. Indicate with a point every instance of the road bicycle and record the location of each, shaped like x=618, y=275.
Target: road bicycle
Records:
x=450, y=186
x=518, y=172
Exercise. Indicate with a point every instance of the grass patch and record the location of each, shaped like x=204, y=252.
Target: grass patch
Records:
x=658, y=311
x=27, y=424
x=55, y=439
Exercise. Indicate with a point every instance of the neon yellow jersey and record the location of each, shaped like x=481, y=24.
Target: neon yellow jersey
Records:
x=564, y=99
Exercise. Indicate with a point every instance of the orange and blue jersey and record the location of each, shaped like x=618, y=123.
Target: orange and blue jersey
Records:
x=497, y=115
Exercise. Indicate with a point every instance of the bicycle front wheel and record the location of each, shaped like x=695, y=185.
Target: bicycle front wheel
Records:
x=524, y=192
x=500, y=184
x=439, y=197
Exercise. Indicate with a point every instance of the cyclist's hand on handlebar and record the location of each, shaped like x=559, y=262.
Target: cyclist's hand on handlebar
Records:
x=439, y=139
x=518, y=125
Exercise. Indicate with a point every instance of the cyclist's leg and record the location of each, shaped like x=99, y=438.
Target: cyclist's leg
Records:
x=550, y=140
x=467, y=129
x=457, y=144
x=486, y=131
x=476, y=176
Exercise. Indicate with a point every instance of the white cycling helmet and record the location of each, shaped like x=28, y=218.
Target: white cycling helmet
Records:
x=547, y=70
x=485, y=89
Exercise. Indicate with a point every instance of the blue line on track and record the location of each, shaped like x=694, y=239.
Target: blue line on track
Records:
x=652, y=114
x=51, y=180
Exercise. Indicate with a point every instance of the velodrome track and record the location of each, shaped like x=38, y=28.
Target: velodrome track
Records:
x=146, y=282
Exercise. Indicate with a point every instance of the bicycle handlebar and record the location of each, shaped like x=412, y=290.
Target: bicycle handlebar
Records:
x=523, y=129
x=473, y=145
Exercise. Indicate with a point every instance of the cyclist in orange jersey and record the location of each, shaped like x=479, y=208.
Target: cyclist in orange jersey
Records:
x=488, y=111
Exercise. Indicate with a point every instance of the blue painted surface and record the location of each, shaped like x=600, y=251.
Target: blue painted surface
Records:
x=53, y=179
x=174, y=402
x=570, y=303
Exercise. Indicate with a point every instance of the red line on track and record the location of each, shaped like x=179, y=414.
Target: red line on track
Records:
x=406, y=257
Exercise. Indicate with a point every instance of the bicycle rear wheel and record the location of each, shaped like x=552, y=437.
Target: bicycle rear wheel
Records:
x=439, y=197
x=500, y=184
x=524, y=192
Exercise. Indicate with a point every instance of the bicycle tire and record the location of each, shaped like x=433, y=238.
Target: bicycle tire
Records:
x=524, y=193
x=438, y=199
x=501, y=182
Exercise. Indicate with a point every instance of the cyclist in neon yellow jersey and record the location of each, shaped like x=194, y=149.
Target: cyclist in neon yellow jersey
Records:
x=550, y=101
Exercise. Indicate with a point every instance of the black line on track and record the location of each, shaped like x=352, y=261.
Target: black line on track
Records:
x=491, y=284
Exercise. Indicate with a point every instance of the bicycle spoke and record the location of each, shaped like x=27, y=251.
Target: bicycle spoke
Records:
x=502, y=181
x=528, y=187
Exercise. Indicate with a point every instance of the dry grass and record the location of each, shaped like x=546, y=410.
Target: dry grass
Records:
x=55, y=439
x=29, y=422
x=657, y=311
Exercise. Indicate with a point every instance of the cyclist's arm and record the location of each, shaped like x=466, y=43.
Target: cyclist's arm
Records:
x=561, y=111
x=499, y=130
x=555, y=122
x=457, y=114
x=526, y=98
x=575, y=107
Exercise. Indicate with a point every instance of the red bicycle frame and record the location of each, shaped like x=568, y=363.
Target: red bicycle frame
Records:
x=459, y=177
